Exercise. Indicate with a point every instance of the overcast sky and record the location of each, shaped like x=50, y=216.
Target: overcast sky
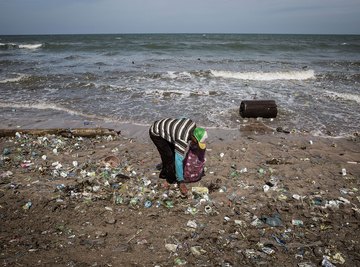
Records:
x=179, y=16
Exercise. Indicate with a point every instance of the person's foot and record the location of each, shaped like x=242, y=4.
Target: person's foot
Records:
x=183, y=189
x=166, y=185
x=159, y=166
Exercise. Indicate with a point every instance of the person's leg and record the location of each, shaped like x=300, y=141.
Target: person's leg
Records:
x=166, y=151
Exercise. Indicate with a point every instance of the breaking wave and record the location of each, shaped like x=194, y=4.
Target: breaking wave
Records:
x=344, y=96
x=45, y=106
x=19, y=46
x=30, y=46
x=15, y=79
x=265, y=76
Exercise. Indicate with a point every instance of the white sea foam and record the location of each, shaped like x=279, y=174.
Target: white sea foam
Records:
x=178, y=75
x=42, y=106
x=166, y=93
x=13, y=80
x=176, y=93
x=344, y=96
x=21, y=46
x=8, y=45
x=49, y=106
x=265, y=76
x=30, y=46
x=171, y=75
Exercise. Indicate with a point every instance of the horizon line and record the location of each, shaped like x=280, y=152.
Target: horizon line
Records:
x=176, y=33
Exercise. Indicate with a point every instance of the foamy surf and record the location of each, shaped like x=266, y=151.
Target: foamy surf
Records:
x=20, y=46
x=30, y=46
x=265, y=76
x=77, y=114
x=15, y=79
x=344, y=96
x=46, y=106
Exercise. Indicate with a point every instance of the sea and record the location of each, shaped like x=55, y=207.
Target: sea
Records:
x=139, y=78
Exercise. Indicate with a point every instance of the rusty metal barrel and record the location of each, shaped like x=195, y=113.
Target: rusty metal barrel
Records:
x=258, y=108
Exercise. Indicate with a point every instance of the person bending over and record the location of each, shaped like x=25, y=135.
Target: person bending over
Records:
x=178, y=142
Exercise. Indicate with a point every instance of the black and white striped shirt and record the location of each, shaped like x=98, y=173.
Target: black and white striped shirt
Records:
x=176, y=131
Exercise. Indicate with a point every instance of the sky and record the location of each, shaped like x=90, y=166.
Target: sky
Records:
x=179, y=16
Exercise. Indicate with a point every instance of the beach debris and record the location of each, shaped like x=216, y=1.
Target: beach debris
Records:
x=197, y=251
x=83, y=132
x=326, y=262
x=298, y=197
x=180, y=262
x=266, y=188
x=111, y=161
x=27, y=205
x=191, y=224
x=338, y=258
x=199, y=191
x=208, y=209
x=6, y=174
x=221, y=209
x=148, y=204
x=297, y=222
x=273, y=221
x=6, y=151
x=171, y=247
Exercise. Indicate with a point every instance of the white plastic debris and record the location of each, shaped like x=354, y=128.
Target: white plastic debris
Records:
x=344, y=200
x=57, y=165
x=171, y=247
x=192, y=224
x=96, y=188
x=243, y=170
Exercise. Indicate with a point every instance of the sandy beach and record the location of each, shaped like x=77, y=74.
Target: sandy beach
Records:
x=269, y=198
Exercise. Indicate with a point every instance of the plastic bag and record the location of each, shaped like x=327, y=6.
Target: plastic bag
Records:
x=194, y=165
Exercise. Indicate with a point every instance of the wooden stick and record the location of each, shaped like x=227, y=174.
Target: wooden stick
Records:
x=83, y=132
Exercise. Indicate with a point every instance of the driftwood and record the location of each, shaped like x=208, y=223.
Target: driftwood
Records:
x=83, y=132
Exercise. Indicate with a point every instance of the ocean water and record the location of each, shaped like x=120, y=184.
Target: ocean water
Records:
x=139, y=78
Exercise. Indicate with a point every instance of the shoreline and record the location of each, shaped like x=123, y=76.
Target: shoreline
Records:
x=140, y=130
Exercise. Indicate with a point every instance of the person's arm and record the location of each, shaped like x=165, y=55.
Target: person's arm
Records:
x=179, y=161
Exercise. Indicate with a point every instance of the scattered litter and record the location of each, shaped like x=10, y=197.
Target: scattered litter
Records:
x=192, y=224
x=326, y=262
x=266, y=188
x=297, y=222
x=171, y=247
x=111, y=161
x=229, y=198
x=27, y=205
x=273, y=221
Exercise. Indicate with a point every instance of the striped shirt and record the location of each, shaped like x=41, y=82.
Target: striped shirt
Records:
x=175, y=131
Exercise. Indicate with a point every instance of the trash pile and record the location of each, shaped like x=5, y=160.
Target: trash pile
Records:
x=251, y=208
